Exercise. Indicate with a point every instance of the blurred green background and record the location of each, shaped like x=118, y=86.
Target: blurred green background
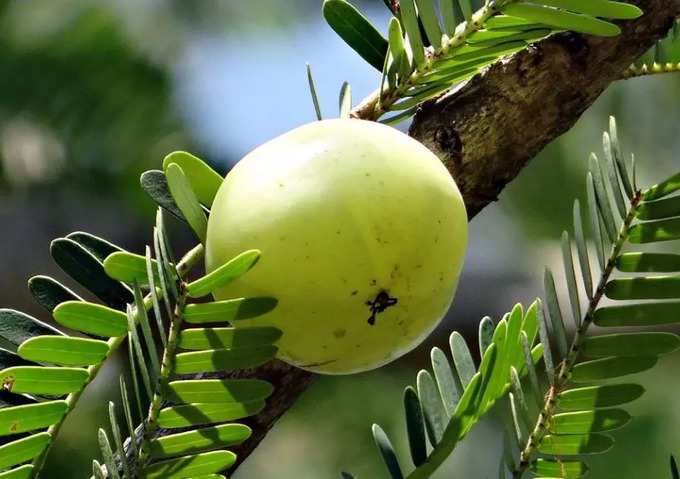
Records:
x=93, y=93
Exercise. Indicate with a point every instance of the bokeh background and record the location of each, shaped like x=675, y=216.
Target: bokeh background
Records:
x=92, y=93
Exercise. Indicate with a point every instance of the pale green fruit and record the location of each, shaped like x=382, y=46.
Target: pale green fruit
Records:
x=350, y=217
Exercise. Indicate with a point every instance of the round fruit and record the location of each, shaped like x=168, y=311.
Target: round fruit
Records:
x=362, y=232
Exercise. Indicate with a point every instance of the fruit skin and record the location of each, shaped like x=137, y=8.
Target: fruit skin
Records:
x=345, y=212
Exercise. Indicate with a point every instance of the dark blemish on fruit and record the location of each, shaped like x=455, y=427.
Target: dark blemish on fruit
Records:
x=339, y=333
x=354, y=293
x=374, y=282
x=337, y=232
x=380, y=304
x=14, y=427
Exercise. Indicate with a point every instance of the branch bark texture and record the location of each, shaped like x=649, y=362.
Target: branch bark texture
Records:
x=486, y=130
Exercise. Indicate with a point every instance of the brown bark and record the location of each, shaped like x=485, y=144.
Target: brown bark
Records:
x=488, y=129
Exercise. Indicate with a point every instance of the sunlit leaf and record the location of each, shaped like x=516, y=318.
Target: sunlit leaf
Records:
x=205, y=439
x=64, y=350
x=203, y=179
x=218, y=390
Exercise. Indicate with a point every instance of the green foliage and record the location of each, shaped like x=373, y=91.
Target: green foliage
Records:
x=424, y=56
x=567, y=419
x=664, y=57
x=45, y=363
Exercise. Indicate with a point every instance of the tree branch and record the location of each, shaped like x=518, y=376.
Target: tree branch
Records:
x=486, y=130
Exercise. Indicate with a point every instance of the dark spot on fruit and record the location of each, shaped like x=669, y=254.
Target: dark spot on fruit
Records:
x=14, y=427
x=381, y=302
x=339, y=333
x=374, y=282
x=354, y=293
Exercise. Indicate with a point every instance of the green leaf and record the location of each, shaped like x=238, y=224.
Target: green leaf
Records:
x=345, y=100
x=190, y=466
x=127, y=410
x=205, y=439
x=409, y=19
x=599, y=396
x=415, y=426
x=203, y=179
x=312, y=91
x=400, y=61
x=501, y=22
x=16, y=327
x=598, y=8
x=603, y=202
x=186, y=200
x=570, y=277
x=91, y=318
x=223, y=359
x=466, y=8
x=136, y=347
x=664, y=188
x=624, y=173
x=356, y=31
x=387, y=452
x=218, y=390
x=99, y=247
x=565, y=469
x=582, y=250
x=87, y=270
x=531, y=370
x=436, y=417
x=648, y=262
x=465, y=366
x=559, y=333
x=18, y=419
x=449, y=387
x=49, y=293
x=584, y=422
x=449, y=15
x=654, y=210
x=428, y=17
x=613, y=174
x=155, y=184
x=608, y=368
x=575, y=444
x=631, y=344
x=562, y=19
x=486, y=329
x=43, y=380
x=663, y=230
x=545, y=341
x=129, y=268
x=645, y=314
x=228, y=310
x=594, y=213
x=118, y=439
x=195, y=414
x=107, y=453
x=23, y=472
x=234, y=268
x=64, y=350
x=227, y=338
x=23, y=450
x=653, y=287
